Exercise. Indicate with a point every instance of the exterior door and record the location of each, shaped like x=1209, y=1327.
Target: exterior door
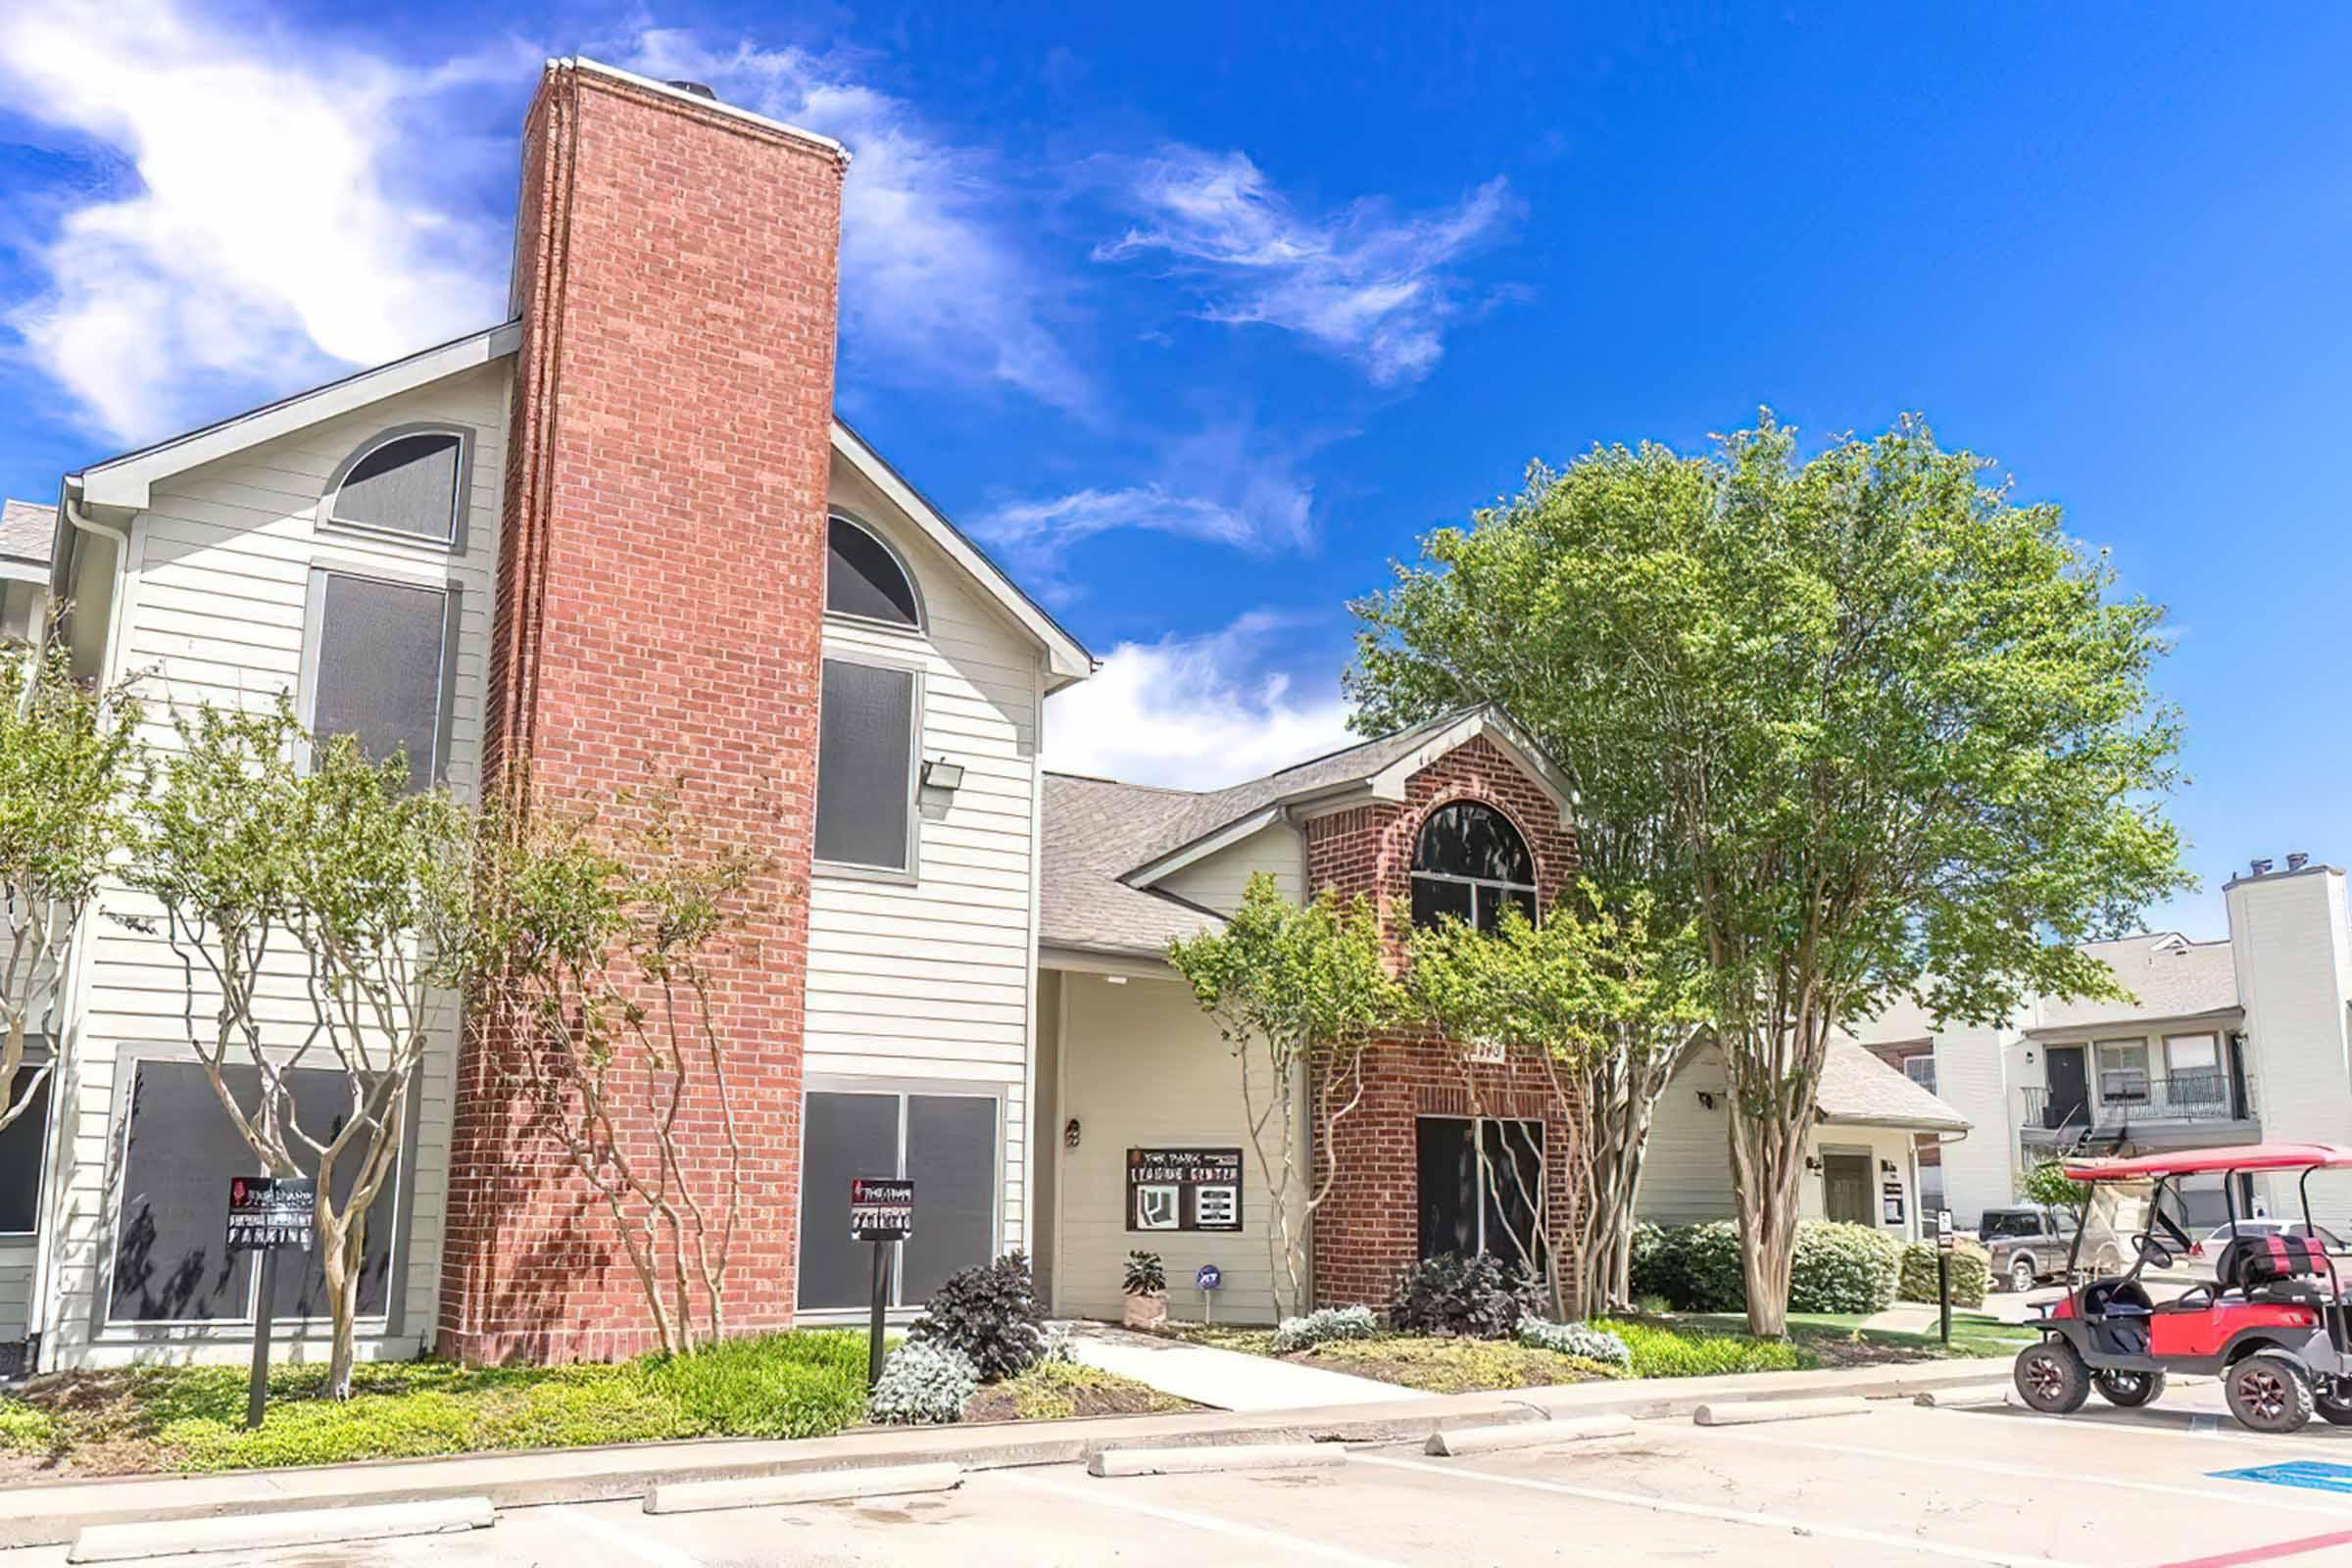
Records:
x=2069, y=1097
x=1846, y=1189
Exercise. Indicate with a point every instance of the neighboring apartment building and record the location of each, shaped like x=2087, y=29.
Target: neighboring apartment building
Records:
x=2238, y=1041
x=621, y=537
x=26, y=533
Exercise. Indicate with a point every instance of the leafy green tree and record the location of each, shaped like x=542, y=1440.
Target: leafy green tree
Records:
x=2047, y=1184
x=69, y=770
x=1599, y=1005
x=1895, y=732
x=314, y=900
x=592, y=936
x=1297, y=991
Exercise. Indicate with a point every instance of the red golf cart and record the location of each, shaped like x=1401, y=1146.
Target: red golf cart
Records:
x=2271, y=1324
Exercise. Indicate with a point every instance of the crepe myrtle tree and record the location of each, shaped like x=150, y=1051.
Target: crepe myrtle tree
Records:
x=1600, y=1005
x=313, y=898
x=593, y=934
x=1895, y=730
x=1296, y=991
x=68, y=771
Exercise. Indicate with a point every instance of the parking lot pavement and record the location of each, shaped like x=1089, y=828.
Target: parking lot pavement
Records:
x=1896, y=1485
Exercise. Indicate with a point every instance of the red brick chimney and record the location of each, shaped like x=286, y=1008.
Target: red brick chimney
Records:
x=660, y=606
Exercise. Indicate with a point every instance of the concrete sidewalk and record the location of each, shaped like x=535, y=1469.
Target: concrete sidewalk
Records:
x=1224, y=1380
x=40, y=1515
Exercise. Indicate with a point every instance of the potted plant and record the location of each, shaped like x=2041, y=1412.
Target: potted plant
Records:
x=1146, y=1291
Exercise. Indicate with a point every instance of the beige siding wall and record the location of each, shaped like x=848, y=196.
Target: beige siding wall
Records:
x=933, y=979
x=1141, y=1067
x=2293, y=951
x=214, y=610
x=16, y=1288
x=1218, y=881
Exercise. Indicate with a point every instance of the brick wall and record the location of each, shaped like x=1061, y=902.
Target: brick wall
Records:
x=1369, y=1227
x=1894, y=1055
x=660, y=606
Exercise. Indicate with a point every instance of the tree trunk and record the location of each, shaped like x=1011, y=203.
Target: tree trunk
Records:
x=1767, y=1163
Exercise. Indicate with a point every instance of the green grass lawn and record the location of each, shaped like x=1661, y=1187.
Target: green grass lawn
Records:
x=1838, y=1339
x=1442, y=1365
x=188, y=1419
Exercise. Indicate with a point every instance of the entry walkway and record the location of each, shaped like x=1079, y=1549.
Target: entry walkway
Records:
x=1228, y=1379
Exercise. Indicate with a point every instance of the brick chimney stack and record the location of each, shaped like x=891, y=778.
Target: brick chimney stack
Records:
x=659, y=608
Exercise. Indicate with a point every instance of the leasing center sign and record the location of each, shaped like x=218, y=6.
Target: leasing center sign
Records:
x=1184, y=1189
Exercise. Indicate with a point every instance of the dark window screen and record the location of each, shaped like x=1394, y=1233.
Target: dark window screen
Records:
x=1515, y=1195
x=21, y=1145
x=1465, y=840
x=379, y=653
x=321, y=1106
x=179, y=1152
x=1448, y=1170
x=952, y=1155
x=863, y=578
x=409, y=486
x=1434, y=902
x=848, y=1135
x=1464, y=1211
x=865, y=763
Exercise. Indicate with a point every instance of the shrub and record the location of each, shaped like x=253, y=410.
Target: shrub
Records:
x=924, y=1382
x=1323, y=1325
x=1579, y=1340
x=25, y=1430
x=1061, y=1347
x=1838, y=1268
x=799, y=1384
x=1146, y=1274
x=1648, y=1262
x=1656, y=1351
x=1972, y=1274
x=1694, y=1267
x=1481, y=1297
x=990, y=1312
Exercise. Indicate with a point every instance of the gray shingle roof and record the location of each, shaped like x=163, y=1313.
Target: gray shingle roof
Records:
x=1092, y=826
x=26, y=531
x=1857, y=1087
x=2170, y=977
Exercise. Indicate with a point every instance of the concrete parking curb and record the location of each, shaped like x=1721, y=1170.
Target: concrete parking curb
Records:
x=1751, y=1413
x=1960, y=1398
x=1215, y=1458
x=46, y=1515
x=1527, y=1434
x=263, y=1531
x=825, y=1485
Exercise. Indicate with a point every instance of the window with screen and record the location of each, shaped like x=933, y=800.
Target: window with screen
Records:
x=864, y=577
x=178, y=1151
x=21, y=1143
x=378, y=667
x=410, y=483
x=1920, y=1068
x=1479, y=1186
x=945, y=1143
x=866, y=767
x=1470, y=864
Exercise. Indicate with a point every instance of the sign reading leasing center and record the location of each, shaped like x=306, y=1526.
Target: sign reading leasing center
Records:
x=1184, y=1189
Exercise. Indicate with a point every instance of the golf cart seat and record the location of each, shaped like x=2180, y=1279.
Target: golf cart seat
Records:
x=2272, y=1268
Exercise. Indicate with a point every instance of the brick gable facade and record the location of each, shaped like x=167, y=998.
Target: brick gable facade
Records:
x=659, y=609
x=1369, y=1227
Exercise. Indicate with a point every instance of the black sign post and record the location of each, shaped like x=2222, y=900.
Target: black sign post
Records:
x=1945, y=1241
x=267, y=1214
x=881, y=1211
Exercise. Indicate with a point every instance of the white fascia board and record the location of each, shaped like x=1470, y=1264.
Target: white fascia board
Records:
x=1067, y=658
x=14, y=571
x=128, y=481
x=714, y=106
x=1202, y=847
x=1389, y=784
x=1082, y=960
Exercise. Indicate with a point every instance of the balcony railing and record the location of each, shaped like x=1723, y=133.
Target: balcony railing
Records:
x=2126, y=1095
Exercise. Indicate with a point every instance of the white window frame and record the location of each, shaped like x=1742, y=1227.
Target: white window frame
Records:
x=314, y=645
x=905, y=1089
x=912, y=872
x=914, y=584
x=38, y=1054
x=2098, y=1056
x=1928, y=1056
x=460, y=499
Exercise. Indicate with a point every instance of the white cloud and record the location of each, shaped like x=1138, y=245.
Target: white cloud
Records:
x=934, y=280
x=1193, y=712
x=291, y=217
x=1370, y=286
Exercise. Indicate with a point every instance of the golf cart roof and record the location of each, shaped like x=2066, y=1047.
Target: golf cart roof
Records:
x=2209, y=1161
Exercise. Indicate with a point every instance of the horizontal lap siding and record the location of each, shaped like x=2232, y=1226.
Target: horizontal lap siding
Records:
x=214, y=612
x=1219, y=881
x=16, y=1288
x=936, y=980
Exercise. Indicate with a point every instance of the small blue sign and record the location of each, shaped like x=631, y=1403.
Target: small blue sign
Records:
x=2311, y=1473
x=1210, y=1277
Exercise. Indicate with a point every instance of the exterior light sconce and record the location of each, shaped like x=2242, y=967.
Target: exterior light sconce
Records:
x=1886, y=1168
x=1813, y=1164
x=1706, y=1101
x=1069, y=1134
x=941, y=774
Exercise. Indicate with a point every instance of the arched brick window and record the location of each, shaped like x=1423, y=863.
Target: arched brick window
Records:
x=1469, y=865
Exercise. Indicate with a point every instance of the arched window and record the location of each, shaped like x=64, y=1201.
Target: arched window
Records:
x=865, y=577
x=1469, y=865
x=409, y=481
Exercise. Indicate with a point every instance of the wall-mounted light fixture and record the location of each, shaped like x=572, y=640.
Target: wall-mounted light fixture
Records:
x=1069, y=1134
x=941, y=774
x=1813, y=1164
x=1706, y=1101
x=1886, y=1168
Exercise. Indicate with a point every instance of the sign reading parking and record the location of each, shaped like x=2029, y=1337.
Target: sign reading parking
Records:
x=269, y=1213
x=1184, y=1189
x=881, y=1208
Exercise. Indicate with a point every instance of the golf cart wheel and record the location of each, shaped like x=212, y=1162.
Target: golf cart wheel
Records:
x=2130, y=1390
x=2022, y=1274
x=2051, y=1377
x=2269, y=1392
x=2332, y=1398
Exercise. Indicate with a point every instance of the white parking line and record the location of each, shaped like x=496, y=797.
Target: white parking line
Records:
x=1125, y=1500
x=2034, y=1472
x=620, y=1538
x=2223, y=1430
x=1733, y=1516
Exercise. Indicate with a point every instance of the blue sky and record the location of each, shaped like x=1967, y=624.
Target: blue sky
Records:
x=1203, y=316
